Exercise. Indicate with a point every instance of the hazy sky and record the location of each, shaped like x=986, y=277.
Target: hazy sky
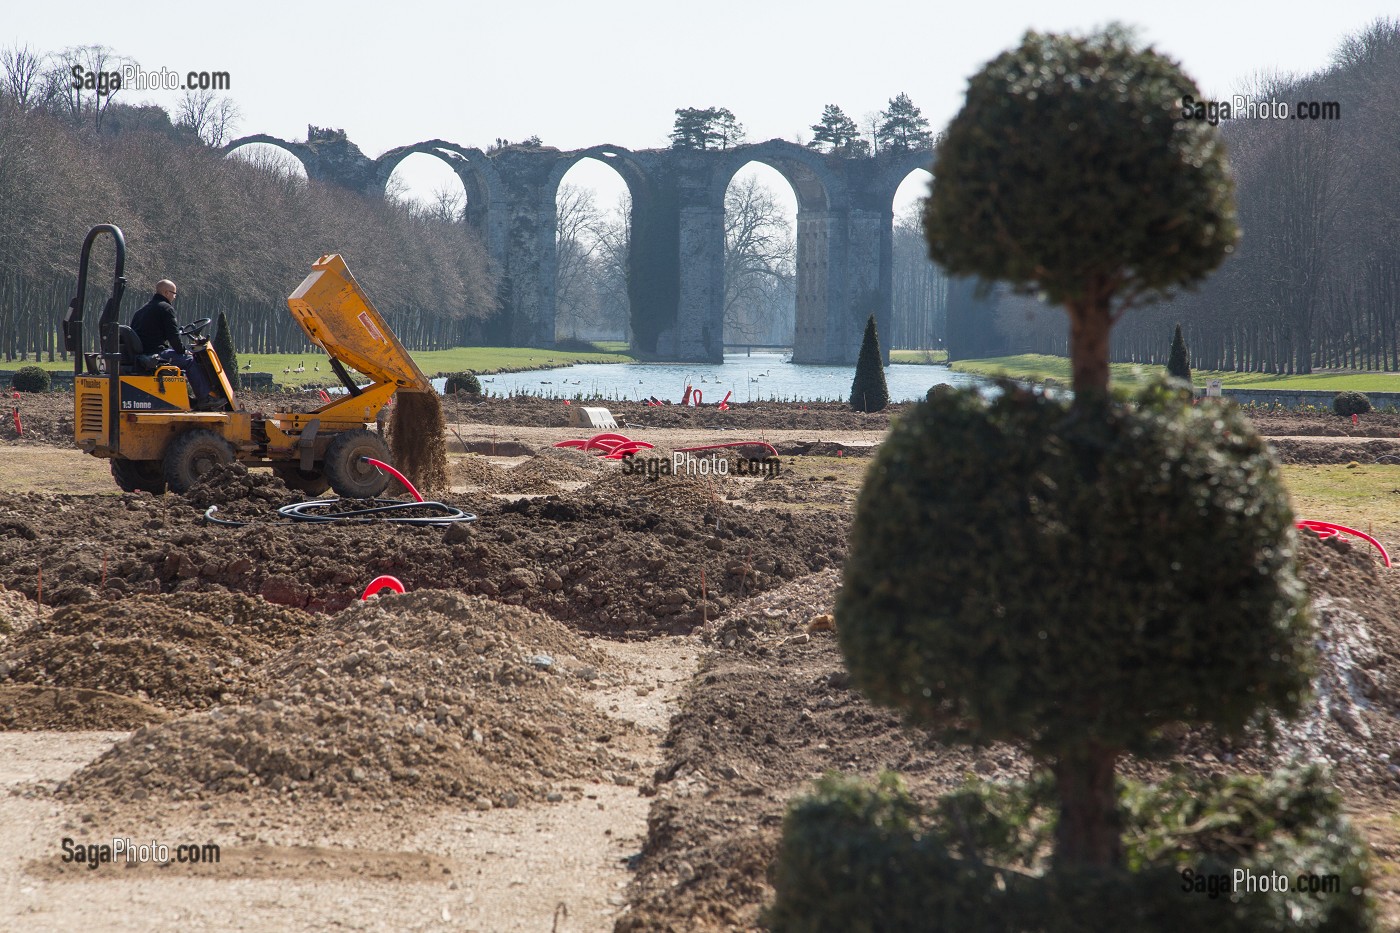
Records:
x=578, y=73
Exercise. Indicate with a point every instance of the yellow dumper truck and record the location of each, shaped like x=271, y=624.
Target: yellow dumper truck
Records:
x=135, y=410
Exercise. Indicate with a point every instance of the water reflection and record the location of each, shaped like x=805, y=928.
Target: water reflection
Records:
x=761, y=377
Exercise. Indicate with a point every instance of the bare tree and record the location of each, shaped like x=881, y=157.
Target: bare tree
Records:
x=22, y=76
x=577, y=219
x=211, y=116
x=759, y=259
x=92, y=73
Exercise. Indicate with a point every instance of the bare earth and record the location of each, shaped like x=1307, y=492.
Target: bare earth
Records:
x=596, y=725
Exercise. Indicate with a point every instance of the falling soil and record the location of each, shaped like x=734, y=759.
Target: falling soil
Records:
x=425, y=696
x=418, y=439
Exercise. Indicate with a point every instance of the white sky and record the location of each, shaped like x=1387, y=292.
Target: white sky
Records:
x=579, y=74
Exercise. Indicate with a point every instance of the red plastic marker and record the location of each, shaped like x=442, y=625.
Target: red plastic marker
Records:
x=384, y=582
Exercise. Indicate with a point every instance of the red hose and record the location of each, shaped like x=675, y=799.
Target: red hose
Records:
x=1330, y=529
x=401, y=478
x=384, y=582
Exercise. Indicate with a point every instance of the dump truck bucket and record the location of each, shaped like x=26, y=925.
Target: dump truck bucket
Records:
x=338, y=317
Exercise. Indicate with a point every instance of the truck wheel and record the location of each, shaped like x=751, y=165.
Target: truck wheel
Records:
x=298, y=480
x=193, y=454
x=138, y=475
x=349, y=476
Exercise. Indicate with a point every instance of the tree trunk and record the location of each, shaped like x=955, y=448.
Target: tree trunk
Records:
x=1090, y=325
x=1088, y=832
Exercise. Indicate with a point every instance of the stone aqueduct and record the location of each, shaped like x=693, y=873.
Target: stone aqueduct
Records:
x=676, y=264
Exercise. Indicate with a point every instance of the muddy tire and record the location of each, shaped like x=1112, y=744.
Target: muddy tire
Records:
x=193, y=454
x=138, y=475
x=312, y=483
x=349, y=476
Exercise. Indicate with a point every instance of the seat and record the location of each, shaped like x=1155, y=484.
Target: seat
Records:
x=134, y=360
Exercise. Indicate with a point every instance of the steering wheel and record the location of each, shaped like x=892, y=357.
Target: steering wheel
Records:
x=193, y=328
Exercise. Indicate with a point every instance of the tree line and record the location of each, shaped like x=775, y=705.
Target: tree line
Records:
x=236, y=234
x=1315, y=280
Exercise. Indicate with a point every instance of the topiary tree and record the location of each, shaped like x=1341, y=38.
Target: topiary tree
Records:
x=1178, y=363
x=223, y=346
x=869, y=391
x=1347, y=404
x=462, y=382
x=1070, y=172
x=31, y=379
x=1020, y=572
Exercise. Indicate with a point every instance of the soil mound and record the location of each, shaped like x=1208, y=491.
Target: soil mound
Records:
x=475, y=471
x=1294, y=450
x=421, y=697
x=17, y=613
x=552, y=470
x=184, y=652
x=606, y=562
x=24, y=707
x=230, y=483
x=589, y=463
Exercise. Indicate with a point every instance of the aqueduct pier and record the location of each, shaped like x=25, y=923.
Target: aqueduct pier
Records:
x=845, y=217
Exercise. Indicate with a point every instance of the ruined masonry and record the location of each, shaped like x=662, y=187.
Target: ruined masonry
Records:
x=676, y=264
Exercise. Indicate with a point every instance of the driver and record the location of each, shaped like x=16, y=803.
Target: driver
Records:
x=155, y=325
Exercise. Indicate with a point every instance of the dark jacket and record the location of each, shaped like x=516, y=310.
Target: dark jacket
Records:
x=155, y=324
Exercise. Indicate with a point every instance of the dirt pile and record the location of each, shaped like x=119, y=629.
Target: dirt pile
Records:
x=476, y=472
x=588, y=463
x=45, y=417
x=536, y=476
x=182, y=652
x=17, y=613
x=551, y=470
x=416, y=697
x=1353, y=722
x=25, y=707
x=601, y=561
x=1296, y=450
x=230, y=484
x=418, y=439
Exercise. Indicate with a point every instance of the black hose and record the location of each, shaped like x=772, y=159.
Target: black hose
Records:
x=380, y=512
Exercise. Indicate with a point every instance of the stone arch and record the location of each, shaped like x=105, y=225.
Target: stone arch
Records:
x=639, y=179
x=299, y=151
x=823, y=200
x=623, y=161
x=808, y=172
x=897, y=166
x=479, y=178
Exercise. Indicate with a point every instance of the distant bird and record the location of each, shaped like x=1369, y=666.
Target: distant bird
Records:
x=316, y=368
x=248, y=365
x=301, y=367
x=286, y=369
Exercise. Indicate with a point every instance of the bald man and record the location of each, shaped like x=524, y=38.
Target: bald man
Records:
x=155, y=324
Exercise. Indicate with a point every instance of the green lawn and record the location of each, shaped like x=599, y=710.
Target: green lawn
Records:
x=919, y=356
x=1036, y=367
x=458, y=359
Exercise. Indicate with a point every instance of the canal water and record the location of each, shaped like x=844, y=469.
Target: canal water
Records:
x=757, y=378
